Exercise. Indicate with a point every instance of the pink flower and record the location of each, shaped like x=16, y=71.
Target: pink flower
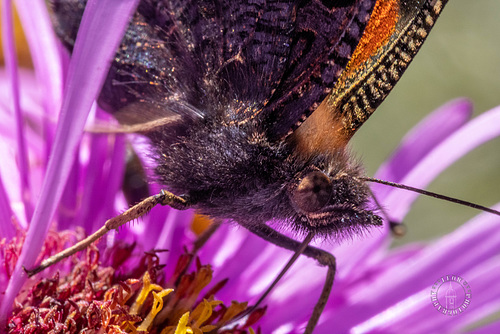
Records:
x=53, y=175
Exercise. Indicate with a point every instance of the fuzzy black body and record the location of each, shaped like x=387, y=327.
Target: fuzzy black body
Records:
x=235, y=172
x=233, y=85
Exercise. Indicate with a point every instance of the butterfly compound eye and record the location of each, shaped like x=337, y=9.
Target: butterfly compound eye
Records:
x=313, y=192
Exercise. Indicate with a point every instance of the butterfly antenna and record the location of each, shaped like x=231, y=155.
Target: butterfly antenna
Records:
x=432, y=194
x=398, y=229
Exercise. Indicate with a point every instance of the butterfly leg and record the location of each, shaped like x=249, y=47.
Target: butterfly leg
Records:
x=324, y=258
x=136, y=211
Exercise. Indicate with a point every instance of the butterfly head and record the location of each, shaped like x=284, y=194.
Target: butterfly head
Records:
x=329, y=199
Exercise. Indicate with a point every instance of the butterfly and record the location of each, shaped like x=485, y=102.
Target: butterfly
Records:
x=249, y=106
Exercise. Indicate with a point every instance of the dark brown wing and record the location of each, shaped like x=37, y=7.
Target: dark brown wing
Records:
x=274, y=60
x=323, y=41
x=395, y=33
x=186, y=57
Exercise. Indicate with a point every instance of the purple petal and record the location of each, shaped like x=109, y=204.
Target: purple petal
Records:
x=477, y=132
x=114, y=176
x=101, y=29
x=11, y=65
x=44, y=51
x=9, y=171
x=101, y=179
x=422, y=139
x=68, y=206
x=417, y=312
x=6, y=228
x=480, y=238
x=46, y=60
x=173, y=237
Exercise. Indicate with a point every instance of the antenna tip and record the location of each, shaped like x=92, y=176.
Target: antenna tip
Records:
x=398, y=229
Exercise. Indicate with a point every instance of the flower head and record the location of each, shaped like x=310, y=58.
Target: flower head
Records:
x=92, y=296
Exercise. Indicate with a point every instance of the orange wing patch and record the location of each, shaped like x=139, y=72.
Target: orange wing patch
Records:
x=381, y=26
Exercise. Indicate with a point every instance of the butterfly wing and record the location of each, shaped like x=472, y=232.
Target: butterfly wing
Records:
x=270, y=60
x=322, y=43
x=373, y=73
x=395, y=33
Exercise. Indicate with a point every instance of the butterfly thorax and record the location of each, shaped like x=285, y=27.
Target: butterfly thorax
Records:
x=233, y=172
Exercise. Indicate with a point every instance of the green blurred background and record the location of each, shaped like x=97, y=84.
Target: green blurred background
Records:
x=461, y=58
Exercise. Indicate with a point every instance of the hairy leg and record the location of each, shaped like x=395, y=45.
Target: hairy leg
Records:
x=136, y=211
x=324, y=258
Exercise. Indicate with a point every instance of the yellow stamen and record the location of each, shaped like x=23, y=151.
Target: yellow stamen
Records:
x=233, y=310
x=208, y=328
x=146, y=288
x=204, y=311
x=200, y=224
x=182, y=327
x=202, y=279
x=156, y=307
x=126, y=326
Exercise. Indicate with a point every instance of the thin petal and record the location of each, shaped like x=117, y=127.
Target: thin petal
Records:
x=101, y=29
x=44, y=51
x=480, y=238
x=422, y=139
x=6, y=228
x=13, y=77
x=477, y=132
x=417, y=312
